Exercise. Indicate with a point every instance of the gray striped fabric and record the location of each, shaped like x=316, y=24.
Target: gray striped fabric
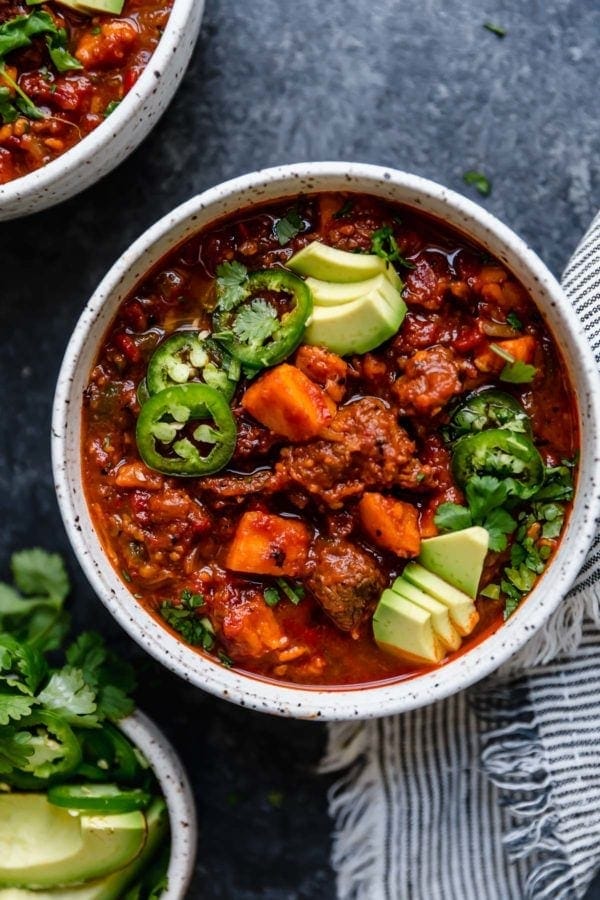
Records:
x=493, y=794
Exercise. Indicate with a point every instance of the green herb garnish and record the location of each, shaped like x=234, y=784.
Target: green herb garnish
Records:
x=498, y=30
x=479, y=181
x=294, y=593
x=384, y=245
x=110, y=107
x=515, y=371
x=255, y=322
x=514, y=321
x=289, y=226
x=271, y=596
x=231, y=280
x=344, y=210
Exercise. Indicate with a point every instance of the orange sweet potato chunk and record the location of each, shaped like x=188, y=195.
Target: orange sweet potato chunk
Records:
x=522, y=348
x=266, y=544
x=390, y=523
x=289, y=403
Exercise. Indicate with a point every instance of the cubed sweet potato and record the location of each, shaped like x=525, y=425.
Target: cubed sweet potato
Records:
x=266, y=544
x=521, y=348
x=289, y=403
x=390, y=523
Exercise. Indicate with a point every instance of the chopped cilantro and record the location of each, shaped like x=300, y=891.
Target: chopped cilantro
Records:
x=479, y=181
x=491, y=591
x=224, y=659
x=294, y=593
x=498, y=30
x=289, y=226
x=515, y=371
x=344, y=210
x=384, y=245
x=514, y=321
x=110, y=107
x=271, y=596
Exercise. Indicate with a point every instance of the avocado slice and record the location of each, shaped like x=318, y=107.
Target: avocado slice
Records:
x=462, y=610
x=406, y=630
x=326, y=263
x=46, y=846
x=332, y=293
x=91, y=7
x=457, y=557
x=440, y=617
x=112, y=886
x=357, y=326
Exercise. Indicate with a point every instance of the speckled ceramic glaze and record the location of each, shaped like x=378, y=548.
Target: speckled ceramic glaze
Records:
x=301, y=702
x=178, y=794
x=109, y=144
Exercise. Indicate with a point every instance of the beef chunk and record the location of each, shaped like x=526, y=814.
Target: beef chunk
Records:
x=364, y=447
x=345, y=581
x=429, y=380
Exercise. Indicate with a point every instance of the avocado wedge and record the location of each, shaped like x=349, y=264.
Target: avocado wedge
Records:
x=357, y=326
x=44, y=846
x=440, y=617
x=326, y=263
x=462, y=610
x=91, y=7
x=404, y=629
x=457, y=557
x=112, y=886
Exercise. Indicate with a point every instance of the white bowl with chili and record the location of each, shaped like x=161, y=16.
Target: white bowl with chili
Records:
x=176, y=561
x=80, y=89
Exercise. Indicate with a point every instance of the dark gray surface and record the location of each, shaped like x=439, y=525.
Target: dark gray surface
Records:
x=418, y=86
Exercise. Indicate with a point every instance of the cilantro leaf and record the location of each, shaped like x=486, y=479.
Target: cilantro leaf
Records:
x=384, y=245
x=14, y=706
x=288, y=226
x=114, y=703
x=15, y=749
x=499, y=523
x=294, y=593
x=484, y=493
x=479, y=181
x=110, y=677
x=68, y=695
x=518, y=372
x=271, y=596
x=21, y=663
x=510, y=605
x=255, y=322
x=452, y=517
x=514, y=321
x=59, y=52
x=36, y=572
x=231, y=281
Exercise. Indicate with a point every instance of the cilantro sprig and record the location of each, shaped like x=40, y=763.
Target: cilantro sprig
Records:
x=185, y=617
x=79, y=686
x=515, y=371
x=288, y=226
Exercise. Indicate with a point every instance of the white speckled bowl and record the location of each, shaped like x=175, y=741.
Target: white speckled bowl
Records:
x=240, y=193
x=177, y=792
x=109, y=144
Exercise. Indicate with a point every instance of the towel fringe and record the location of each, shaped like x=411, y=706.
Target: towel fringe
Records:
x=562, y=633
x=512, y=757
x=353, y=807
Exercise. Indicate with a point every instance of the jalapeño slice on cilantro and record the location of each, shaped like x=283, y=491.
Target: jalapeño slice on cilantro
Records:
x=261, y=317
x=187, y=430
x=508, y=456
x=56, y=750
x=488, y=409
x=191, y=356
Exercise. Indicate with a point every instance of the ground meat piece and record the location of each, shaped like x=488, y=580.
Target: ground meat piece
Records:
x=325, y=368
x=252, y=439
x=429, y=380
x=364, y=447
x=427, y=283
x=345, y=581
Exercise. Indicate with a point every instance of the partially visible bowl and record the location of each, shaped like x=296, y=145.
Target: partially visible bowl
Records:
x=284, y=699
x=103, y=149
x=178, y=794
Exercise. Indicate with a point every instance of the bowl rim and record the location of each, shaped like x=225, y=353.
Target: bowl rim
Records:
x=83, y=152
x=318, y=703
x=174, y=783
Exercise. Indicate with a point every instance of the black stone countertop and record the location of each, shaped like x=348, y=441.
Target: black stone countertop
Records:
x=419, y=86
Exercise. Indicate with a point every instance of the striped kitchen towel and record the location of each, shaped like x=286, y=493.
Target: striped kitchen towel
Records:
x=493, y=794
